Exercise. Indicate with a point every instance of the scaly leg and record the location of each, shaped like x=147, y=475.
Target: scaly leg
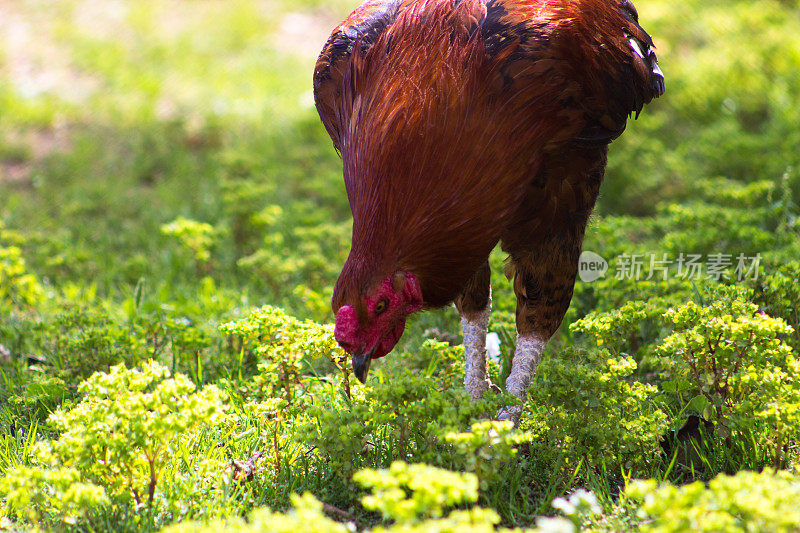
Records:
x=527, y=356
x=474, y=326
x=474, y=305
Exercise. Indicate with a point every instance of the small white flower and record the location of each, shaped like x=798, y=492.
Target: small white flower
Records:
x=545, y=524
x=566, y=507
x=580, y=501
x=585, y=500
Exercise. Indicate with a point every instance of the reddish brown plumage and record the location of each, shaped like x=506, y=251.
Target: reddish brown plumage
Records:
x=451, y=117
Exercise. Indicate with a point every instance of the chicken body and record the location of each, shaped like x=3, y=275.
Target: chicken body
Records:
x=461, y=124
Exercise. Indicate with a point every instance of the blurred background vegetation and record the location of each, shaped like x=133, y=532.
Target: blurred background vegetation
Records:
x=163, y=171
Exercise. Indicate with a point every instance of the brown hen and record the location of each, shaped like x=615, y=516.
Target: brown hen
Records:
x=461, y=124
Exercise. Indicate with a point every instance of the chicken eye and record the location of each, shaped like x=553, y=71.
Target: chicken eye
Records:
x=380, y=307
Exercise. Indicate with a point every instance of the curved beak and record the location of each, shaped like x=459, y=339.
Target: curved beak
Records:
x=361, y=365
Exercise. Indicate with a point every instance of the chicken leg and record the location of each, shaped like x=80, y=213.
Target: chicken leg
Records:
x=474, y=305
x=542, y=300
x=527, y=355
x=544, y=247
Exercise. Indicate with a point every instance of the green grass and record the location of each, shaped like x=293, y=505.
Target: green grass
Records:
x=118, y=119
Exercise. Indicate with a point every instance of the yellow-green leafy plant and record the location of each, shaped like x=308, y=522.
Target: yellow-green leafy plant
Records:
x=17, y=285
x=196, y=238
x=779, y=294
x=730, y=362
x=413, y=497
x=487, y=446
x=82, y=339
x=748, y=501
x=34, y=493
x=283, y=343
x=617, y=330
x=306, y=515
x=388, y=420
x=587, y=408
x=431, y=489
x=126, y=429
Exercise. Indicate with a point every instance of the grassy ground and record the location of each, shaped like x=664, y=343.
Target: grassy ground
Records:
x=163, y=172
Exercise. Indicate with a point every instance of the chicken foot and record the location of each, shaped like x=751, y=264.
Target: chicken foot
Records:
x=527, y=355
